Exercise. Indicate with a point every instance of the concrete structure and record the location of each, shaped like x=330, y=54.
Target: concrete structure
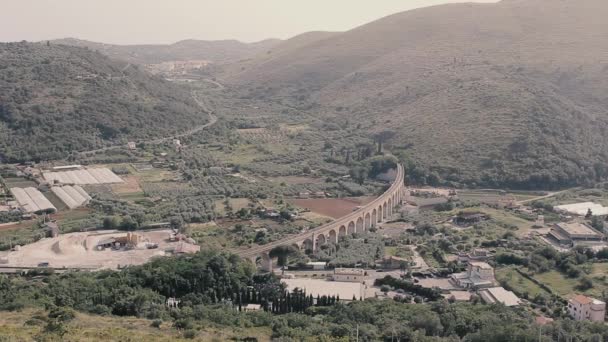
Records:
x=355, y=275
x=316, y=265
x=572, y=233
x=478, y=275
x=364, y=218
x=494, y=295
x=33, y=201
x=67, y=168
x=478, y=254
x=583, y=308
x=582, y=208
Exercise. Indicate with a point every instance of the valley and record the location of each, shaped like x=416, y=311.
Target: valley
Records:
x=435, y=175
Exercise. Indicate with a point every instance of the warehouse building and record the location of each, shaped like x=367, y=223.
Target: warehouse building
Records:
x=572, y=233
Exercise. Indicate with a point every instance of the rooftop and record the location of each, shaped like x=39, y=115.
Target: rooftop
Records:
x=499, y=295
x=580, y=299
x=576, y=228
x=481, y=264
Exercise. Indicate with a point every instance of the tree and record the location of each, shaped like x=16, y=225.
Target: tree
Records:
x=383, y=137
x=282, y=253
x=589, y=214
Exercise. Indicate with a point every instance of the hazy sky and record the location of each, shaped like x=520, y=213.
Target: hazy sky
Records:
x=167, y=21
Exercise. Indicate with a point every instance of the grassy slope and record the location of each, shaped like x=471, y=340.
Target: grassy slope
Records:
x=513, y=88
x=61, y=98
x=103, y=328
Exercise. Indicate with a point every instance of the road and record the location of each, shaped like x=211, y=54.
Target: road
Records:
x=201, y=104
x=551, y=194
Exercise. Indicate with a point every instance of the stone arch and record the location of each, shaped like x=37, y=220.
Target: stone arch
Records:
x=351, y=228
x=385, y=213
x=374, y=218
x=307, y=245
x=380, y=212
x=297, y=246
x=321, y=240
x=333, y=237
x=368, y=222
x=390, y=207
x=342, y=231
x=359, y=228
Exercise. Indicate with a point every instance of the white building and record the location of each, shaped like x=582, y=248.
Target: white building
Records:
x=316, y=265
x=356, y=275
x=499, y=295
x=478, y=275
x=583, y=308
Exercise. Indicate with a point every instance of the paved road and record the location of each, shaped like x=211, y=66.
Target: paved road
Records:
x=201, y=104
x=551, y=194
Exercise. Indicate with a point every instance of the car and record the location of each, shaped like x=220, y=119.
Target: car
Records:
x=43, y=264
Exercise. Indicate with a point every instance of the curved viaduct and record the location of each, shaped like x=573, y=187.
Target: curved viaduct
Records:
x=366, y=217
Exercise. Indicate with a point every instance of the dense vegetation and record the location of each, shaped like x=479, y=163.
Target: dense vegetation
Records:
x=463, y=111
x=58, y=99
x=211, y=288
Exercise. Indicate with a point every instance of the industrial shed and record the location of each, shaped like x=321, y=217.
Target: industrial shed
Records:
x=72, y=196
x=32, y=200
x=83, y=177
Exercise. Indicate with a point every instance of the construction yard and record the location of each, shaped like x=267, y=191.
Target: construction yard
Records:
x=97, y=250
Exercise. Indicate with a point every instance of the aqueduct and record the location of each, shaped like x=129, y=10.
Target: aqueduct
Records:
x=364, y=218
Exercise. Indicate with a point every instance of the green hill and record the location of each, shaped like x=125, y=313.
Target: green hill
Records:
x=55, y=99
x=505, y=94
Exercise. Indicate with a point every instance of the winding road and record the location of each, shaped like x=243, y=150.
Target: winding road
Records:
x=212, y=121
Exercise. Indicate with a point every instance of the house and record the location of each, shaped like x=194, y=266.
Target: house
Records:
x=394, y=263
x=494, y=295
x=349, y=275
x=573, y=233
x=583, y=308
x=478, y=275
x=131, y=145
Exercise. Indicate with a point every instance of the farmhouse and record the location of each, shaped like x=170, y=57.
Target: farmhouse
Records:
x=478, y=275
x=583, y=308
x=572, y=233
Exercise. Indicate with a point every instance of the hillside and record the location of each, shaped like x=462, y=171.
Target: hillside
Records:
x=221, y=51
x=56, y=99
x=509, y=94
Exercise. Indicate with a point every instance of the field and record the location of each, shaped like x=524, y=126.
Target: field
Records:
x=518, y=283
x=96, y=328
x=565, y=286
x=332, y=207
